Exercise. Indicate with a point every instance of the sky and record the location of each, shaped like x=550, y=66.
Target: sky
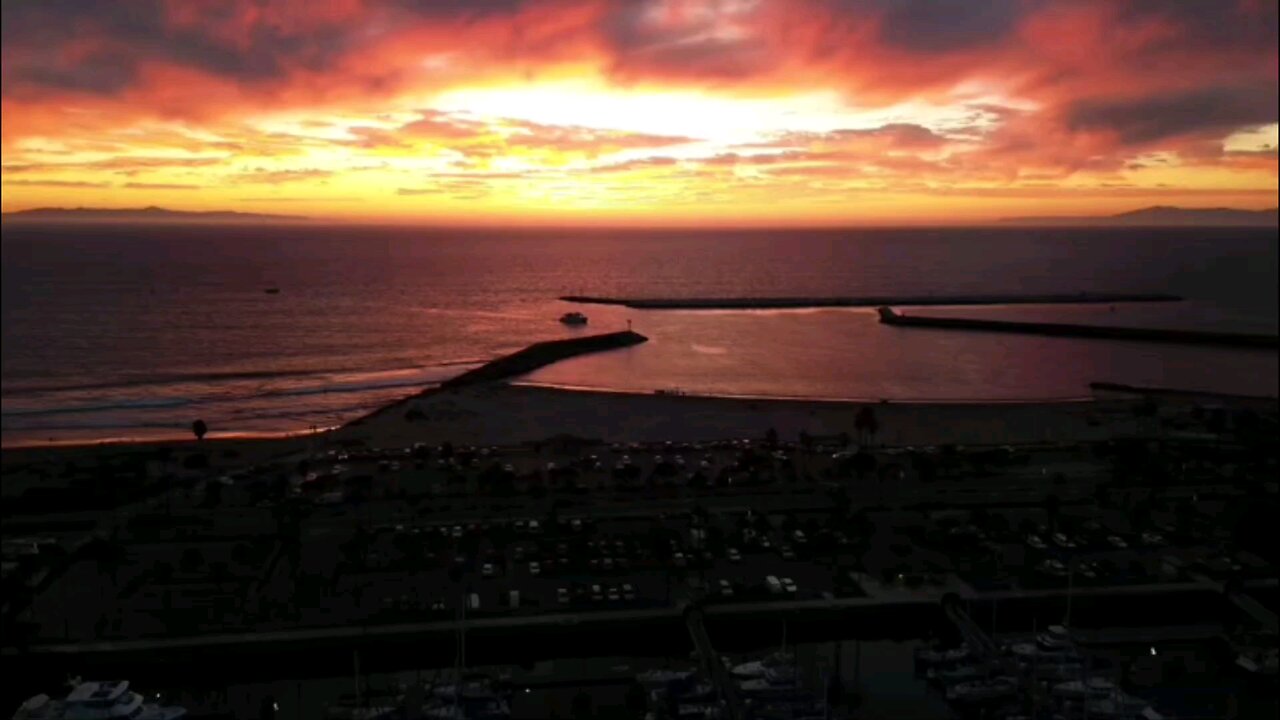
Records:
x=723, y=112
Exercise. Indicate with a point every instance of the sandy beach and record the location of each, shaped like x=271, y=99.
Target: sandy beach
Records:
x=511, y=414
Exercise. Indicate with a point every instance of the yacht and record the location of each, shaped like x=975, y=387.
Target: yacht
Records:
x=1259, y=661
x=758, y=668
x=1053, y=644
x=96, y=701
x=573, y=318
x=654, y=679
x=948, y=676
x=1056, y=637
x=978, y=691
x=1054, y=670
x=1120, y=707
x=777, y=682
x=926, y=658
x=1094, y=687
x=1034, y=652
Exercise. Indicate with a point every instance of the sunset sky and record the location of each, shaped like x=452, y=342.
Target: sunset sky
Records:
x=641, y=111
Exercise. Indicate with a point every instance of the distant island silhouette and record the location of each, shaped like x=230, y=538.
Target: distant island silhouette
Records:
x=146, y=214
x=1160, y=216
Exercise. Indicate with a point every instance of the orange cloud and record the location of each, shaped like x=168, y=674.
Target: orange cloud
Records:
x=1003, y=98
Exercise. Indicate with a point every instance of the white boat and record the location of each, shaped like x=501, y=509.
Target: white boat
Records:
x=1094, y=687
x=1120, y=707
x=777, y=682
x=1055, y=638
x=929, y=657
x=983, y=690
x=573, y=318
x=1259, y=661
x=1034, y=653
x=96, y=701
x=653, y=679
x=957, y=674
x=758, y=668
x=1054, y=670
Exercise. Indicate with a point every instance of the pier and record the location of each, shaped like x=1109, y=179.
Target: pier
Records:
x=1160, y=335
x=542, y=354
x=783, y=303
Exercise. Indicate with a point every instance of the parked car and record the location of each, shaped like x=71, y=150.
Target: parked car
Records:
x=726, y=589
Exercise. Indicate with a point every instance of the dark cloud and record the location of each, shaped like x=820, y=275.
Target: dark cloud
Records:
x=111, y=41
x=1145, y=120
x=939, y=26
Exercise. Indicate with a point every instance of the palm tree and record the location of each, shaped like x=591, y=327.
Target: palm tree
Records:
x=198, y=428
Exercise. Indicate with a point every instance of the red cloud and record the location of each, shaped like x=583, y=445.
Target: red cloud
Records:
x=1100, y=81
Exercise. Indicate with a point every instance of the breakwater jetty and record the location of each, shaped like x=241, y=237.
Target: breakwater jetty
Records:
x=544, y=353
x=779, y=303
x=1162, y=335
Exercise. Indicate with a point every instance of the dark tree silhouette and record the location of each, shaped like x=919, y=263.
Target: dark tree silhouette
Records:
x=199, y=429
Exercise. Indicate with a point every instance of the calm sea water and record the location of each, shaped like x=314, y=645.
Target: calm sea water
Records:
x=136, y=331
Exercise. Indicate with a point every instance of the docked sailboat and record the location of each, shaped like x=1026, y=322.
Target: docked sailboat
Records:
x=758, y=668
x=779, y=681
x=97, y=700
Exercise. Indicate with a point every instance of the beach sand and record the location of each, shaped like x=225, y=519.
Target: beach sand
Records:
x=512, y=414
x=504, y=414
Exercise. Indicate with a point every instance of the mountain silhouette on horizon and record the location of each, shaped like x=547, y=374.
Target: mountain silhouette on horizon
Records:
x=1160, y=215
x=146, y=214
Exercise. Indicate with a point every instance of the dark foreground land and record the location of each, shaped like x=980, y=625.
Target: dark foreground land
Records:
x=277, y=561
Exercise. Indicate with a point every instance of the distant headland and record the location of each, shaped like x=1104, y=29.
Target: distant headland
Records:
x=1160, y=216
x=146, y=214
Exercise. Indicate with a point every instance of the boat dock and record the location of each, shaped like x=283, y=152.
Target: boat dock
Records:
x=778, y=303
x=1160, y=335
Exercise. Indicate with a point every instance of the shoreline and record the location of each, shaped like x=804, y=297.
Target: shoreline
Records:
x=500, y=376
x=602, y=394
x=1102, y=393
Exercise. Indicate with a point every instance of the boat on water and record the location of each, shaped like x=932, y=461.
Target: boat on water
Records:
x=271, y=290
x=779, y=681
x=96, y=700
x=661, y=679
x=1056, y=670
x=1051, y=645
x=956, y=674
x=573, y=318
x=758, y=668
x=979, y=691
x=1094, y=687
x=1258, y=661
x=928, y=659
x=492, y=708
x=1120, y=707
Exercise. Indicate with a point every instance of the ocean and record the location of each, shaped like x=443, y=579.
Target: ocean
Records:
x=135, y=331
